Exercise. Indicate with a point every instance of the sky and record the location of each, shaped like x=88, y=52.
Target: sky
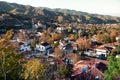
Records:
x=105, y=7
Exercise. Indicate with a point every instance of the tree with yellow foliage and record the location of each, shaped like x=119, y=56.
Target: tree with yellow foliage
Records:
x=10, y=59
x=9, y=34
x=34, y=69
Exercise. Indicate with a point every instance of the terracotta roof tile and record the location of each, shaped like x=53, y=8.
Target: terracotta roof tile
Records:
x=91, y=62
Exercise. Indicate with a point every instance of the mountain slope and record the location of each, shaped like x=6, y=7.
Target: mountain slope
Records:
x=52, y=15
x=85, y=14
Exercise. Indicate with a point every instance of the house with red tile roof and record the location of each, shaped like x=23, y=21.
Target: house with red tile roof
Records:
x=89, y=69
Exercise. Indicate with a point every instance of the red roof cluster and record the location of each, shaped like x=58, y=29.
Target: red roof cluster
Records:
x=96, y=68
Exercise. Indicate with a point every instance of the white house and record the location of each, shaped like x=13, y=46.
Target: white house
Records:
x=25, y=47
x=59, y=29
x=91, y=52
x=102, y=51
x=45, y=48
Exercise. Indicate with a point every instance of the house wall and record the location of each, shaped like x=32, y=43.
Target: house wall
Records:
x=44, y=49
x=90, y=53
x=24, y=48
x=40, y=47
x=99, y=52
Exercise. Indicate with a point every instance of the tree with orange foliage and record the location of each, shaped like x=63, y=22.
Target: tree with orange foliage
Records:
x=58, y=52
x=81, y=47
x=49, y=30
x=46, y=37
x=113, y=35
x=44, y=33
x=6, y=38
x=43, y=38
x=85, y=44
x=60, y=19
x=100, y=38
x=57, y=36
x=50, y=41
x=103, y=38
x=71, y=36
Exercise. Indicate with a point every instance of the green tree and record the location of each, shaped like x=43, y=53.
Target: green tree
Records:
x=113, y=72
x=118, y=49
x=34, y=69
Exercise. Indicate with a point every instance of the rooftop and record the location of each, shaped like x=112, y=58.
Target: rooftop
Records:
x=91, y=62
x=45, y=44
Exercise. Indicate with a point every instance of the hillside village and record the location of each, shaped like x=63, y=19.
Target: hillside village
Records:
x=86, y=51
x=63, y=49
